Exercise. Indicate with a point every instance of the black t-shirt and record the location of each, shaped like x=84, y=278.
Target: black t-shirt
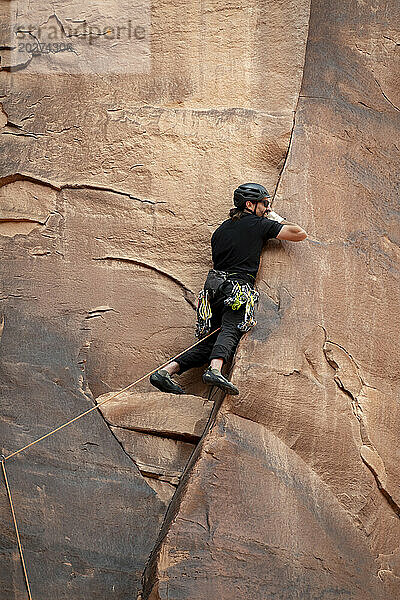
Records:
x=237, y=245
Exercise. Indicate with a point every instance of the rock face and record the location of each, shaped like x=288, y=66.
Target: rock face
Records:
x=87, y=517
x=185, y=416
x=111, y=185
x=256, y=521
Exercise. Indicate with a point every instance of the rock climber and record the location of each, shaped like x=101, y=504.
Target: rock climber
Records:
x=229, y=296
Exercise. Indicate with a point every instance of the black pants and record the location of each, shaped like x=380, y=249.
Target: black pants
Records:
x=221, y=344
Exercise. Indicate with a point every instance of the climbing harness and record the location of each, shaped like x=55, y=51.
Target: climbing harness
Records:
x=4, y=458
x=242, y=293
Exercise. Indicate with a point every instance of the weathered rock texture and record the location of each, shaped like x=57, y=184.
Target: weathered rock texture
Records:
x=295, y=492
x=111, y=186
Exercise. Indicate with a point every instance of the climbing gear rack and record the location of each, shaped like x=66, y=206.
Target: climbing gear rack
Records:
x=244, y=294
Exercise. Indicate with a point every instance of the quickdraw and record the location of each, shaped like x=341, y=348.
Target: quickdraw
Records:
x=244, y=294
x=204, y=314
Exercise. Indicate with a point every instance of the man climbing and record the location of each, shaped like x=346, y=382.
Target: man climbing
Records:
x=228, y=298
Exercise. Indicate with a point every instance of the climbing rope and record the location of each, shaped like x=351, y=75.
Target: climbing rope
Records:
x=4, y=458
x=106, y=400
x=21, y=552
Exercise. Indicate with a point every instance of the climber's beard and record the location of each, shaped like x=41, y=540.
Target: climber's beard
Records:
x=266, y=211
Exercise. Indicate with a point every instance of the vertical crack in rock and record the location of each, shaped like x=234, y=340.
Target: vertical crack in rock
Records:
x=293, y=122
x=349, y=380
x=287, y=152
x=150, y=576
x=181, y=482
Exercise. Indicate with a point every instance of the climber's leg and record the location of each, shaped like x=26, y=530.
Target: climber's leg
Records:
x=224, y=348
x=172, y=367
x=229, y=335
x=217, y=363
x=200, y=354
x=195, y=357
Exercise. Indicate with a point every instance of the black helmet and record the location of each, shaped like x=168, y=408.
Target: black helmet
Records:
x=249, y=191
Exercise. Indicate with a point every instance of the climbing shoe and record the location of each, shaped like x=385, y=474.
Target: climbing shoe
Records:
x=214, y=377
x=162, y=380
